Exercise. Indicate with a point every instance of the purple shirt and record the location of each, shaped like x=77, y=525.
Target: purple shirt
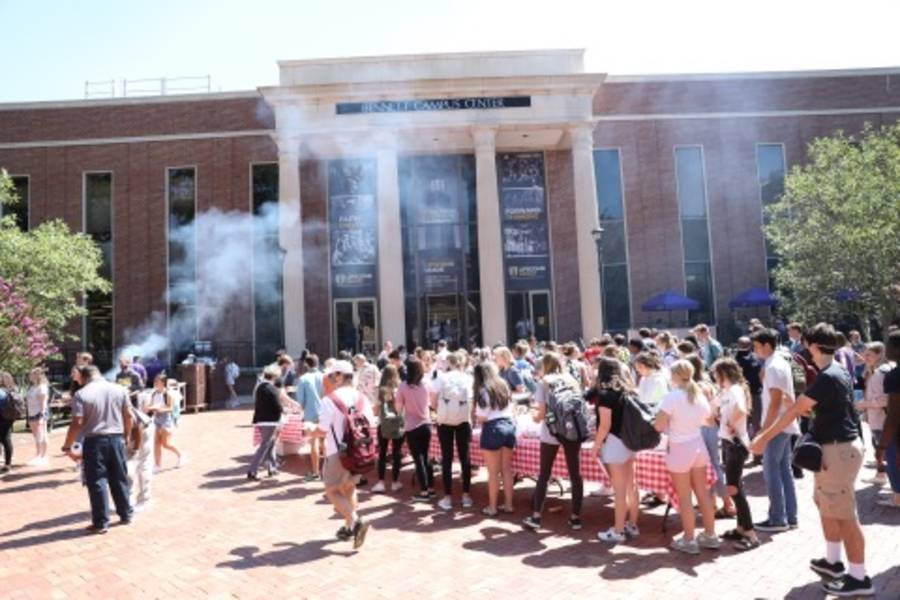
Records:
x=844, y=356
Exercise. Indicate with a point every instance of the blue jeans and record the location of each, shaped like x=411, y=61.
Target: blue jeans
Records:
x=104, y=466
x=711, y=439
x=893, y=469
x=780, y=480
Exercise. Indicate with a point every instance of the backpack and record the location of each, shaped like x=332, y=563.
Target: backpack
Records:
x=528, y=381
x=453, y=406
x=392, y=426
x=358, y=449
x=567, y=412
x=802, y=373
x=638, y=432
x=14, y=407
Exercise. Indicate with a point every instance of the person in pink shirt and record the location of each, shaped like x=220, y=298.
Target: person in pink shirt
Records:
x=414, y=402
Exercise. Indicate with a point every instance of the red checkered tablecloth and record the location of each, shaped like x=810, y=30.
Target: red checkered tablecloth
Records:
x=291, y=431
x=650, y=465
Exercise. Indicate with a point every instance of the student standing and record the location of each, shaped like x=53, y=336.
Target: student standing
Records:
x=493, y=408
x=452, y=397
x=386, y=410
x=413, y=401
x=37, y=399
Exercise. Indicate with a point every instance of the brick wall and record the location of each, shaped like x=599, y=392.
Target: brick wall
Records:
x=313, y=199
x=561, y=205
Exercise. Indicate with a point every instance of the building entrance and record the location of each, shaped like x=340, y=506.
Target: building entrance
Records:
x=528, y=313
x=356, y=325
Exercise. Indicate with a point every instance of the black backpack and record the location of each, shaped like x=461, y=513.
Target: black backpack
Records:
x=14, y=408
x=637, y=432
x=567, y=412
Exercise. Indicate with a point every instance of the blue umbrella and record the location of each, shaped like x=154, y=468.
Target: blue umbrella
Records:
x=847, y=295
x=668, y=301
x=755, y=296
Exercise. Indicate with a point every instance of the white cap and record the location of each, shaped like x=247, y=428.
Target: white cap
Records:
x=339, y=366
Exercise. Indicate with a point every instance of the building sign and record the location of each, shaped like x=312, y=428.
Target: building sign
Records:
x=432, y=104
x=523, y=207
x=353, y=228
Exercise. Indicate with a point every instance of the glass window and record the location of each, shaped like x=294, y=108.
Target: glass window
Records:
x=770, y=168
x=19, y=209
x=698, y=285
x=690, y=177
x=268, y=309
x=182, y=199
x=98, y=323
x=612, y=243
x=696, y=239
x=609, y=184
x=616, y=307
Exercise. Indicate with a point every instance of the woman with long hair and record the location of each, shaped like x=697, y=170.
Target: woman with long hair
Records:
x=653, y=383
x=875, y=400
x=161, y=408
x=494, y=409
x=682, y=413
x=38, y=399
x=555, y=377
x=734, y=402
x=413, y=401
x=609, y=399
x=385, y=406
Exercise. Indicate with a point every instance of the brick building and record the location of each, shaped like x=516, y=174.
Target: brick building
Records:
x=411, y=198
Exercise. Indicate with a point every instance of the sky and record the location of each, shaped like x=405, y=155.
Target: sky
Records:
x=48, y=49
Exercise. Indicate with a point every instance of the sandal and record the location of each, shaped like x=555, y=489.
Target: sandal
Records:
x=489, y=512
x=733, y=535
x=505, y=510
x=746, y=544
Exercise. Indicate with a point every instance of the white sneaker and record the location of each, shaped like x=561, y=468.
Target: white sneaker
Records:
x=603, y=491
x=378, y=487
x=632, y=530
x=142, y=506
x=878, y=479
x=711, y=542
x=611, y=535
x=467, y=501
x=182, y=460
x=396, y=486
x=445, y=503
x=157, y=470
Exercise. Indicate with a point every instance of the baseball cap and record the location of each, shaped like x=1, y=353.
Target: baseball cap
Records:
x=340, y=366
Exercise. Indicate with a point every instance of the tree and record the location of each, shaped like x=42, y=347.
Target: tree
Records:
x=24, y=342
x=837, y=226
x=52, y=267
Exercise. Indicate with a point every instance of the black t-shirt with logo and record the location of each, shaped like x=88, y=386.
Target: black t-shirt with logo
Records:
x=611, y=399
x=835, y=417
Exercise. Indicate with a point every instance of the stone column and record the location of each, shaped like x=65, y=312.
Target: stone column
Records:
x=586, y=220
x=490, y=246
x=290, y=236
x=390, y=246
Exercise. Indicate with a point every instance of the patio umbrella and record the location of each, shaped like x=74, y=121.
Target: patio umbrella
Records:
x=669, y=301
x=755, y=296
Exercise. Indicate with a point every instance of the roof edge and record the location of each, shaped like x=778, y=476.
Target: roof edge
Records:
x=750, y=75
x=126, y=101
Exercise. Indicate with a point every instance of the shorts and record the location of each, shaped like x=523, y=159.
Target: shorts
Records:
x=38, y=417
x=684, y=456
x=164, y=422
x=497, y=434
x=834, y=493
x=614, y=452
x=333, y=472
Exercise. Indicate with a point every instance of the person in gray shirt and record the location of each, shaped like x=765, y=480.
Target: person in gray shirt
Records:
x=101, y=412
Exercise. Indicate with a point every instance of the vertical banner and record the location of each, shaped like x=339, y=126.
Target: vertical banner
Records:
x=438, y=219
x=523, y=208
x=353, y=228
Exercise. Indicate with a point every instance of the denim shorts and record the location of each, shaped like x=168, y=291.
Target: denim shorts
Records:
x=498, y=433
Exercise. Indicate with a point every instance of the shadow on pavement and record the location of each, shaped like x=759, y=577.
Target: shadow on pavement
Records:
x=51, y=523
x=287, y=554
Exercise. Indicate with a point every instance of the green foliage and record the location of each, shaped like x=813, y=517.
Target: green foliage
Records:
x=53, y=265
x=837, y=229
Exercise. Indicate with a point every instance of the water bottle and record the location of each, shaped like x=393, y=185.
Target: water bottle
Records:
x=76, y=449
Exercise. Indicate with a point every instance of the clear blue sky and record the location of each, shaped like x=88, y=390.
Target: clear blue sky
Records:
x=49, y=48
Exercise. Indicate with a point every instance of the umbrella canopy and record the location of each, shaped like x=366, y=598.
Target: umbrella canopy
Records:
x=669, y=301
x=753, y=297
x=847, y=295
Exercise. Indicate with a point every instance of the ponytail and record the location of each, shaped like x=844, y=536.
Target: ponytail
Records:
x=692, y=388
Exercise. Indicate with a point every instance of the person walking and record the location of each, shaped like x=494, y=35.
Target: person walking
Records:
x=390, y=429
x=101, y=410
x=556, y=382
x=494, y=410
x=7, y=389
x=267, y=411
x=452, y=401
x=38, y=399
x=609, y=398
x=835, y=426
x=310, y=390
x=160, y=408
x=777, y=398
x=682, y=413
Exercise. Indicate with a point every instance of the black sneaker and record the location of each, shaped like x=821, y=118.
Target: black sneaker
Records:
x=823, y=567
x=848, y=585
x=771, y=527
x=531, y=523
x=344, y=533
x=575, y=523
x=793, y=525
x=252, y=477
x=359, y=533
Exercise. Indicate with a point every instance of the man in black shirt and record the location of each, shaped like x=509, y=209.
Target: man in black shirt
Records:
x=266, y=417
x=750, y=367
x=129, y=378
x=890, y=435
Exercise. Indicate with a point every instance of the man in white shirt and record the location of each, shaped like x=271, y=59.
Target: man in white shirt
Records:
x=777, y=397
x=340, y=487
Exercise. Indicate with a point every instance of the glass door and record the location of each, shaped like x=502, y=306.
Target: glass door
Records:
x=442, y=319
x=356, y=326
x=527, y=314
x=540, y=315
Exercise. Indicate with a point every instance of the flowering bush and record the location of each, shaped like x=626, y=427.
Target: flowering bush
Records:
x=24, y=341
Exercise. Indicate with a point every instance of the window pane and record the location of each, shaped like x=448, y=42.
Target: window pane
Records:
x=19, y=209
x=609, y=184
x=770, y=166
x=98, y=333
x=691, y=192
x=267, y=264
x=696, y=239
x=182, y=259
x=616, y=309
x=612, y=243
x=698, y=285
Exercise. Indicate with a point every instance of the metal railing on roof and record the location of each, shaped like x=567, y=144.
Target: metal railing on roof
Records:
x=156, y=86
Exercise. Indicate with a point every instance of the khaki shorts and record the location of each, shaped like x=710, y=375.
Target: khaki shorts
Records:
x=835, y=494
x=333, y=472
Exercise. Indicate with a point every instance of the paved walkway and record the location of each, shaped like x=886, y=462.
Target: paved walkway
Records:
x=214, y=534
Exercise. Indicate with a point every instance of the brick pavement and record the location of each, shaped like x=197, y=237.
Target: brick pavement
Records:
x=212, y=534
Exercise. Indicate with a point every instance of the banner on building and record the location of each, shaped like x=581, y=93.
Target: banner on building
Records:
x=526, y=242
x=353, y=228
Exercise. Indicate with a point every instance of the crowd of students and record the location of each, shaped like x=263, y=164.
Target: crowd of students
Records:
x=713, y=410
